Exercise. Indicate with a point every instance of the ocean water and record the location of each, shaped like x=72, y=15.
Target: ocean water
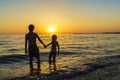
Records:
x=75, y=51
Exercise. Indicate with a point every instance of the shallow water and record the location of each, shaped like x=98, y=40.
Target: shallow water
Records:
x=75, y=51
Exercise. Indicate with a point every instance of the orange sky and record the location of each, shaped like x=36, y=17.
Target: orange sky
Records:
x=67, y=16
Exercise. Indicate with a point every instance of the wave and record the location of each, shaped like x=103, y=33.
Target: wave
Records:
x=112, y=51
x=13, y=58
x=2, y=44
x=8, y=59
x=77, y=47
x=13, y=50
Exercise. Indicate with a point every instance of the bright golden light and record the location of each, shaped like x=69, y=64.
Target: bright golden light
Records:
x=51, y=29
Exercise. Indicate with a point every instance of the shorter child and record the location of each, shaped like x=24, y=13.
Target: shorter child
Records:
x=54, y=49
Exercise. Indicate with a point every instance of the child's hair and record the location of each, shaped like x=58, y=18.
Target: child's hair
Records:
x=31, y=27
x=54, y=37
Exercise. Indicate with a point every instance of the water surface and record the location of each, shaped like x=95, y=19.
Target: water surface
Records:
x=75, y=51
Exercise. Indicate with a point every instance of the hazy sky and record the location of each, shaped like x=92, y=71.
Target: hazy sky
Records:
x=64, y=15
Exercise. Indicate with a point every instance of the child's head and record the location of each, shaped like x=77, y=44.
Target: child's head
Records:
x=31, y=27
x=54, y=37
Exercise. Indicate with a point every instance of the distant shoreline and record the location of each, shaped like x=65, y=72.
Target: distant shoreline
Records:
x=100, y=33
x=64, y=33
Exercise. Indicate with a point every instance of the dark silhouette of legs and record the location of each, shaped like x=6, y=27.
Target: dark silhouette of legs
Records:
x=54, y=66
x=38, y=63
x=50, y=56
x=34, y=52
x=31, y=62
x=54, y=58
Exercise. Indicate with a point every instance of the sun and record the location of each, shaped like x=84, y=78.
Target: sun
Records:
x=52, y=29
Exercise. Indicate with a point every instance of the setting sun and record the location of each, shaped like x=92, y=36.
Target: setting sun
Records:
x=51, y=29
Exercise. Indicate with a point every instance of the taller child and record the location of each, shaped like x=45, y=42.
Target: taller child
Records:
x=31, y=46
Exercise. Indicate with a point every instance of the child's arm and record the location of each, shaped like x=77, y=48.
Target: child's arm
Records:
x=25, y=44
x=58, y=47
x=48, y=44
x=41, y=41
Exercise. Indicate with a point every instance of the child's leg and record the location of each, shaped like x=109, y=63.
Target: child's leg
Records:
x=38, y=62
x=54, y=57
x=50, y=55
x=54, y=66
x=31, y=62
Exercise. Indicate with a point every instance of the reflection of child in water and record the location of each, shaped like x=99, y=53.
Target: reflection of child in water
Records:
x=54, y=50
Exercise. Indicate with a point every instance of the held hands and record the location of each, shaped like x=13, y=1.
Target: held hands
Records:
x=45, y=46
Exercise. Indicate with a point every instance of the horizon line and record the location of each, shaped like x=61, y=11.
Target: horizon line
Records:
x=68, y=33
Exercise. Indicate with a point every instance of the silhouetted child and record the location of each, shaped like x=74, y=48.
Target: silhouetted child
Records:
x=54, y=49
x=31, y=46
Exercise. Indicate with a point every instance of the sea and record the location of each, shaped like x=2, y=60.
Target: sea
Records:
x=76, y=50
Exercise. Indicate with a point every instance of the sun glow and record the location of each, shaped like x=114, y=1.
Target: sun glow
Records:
x=52, y=29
